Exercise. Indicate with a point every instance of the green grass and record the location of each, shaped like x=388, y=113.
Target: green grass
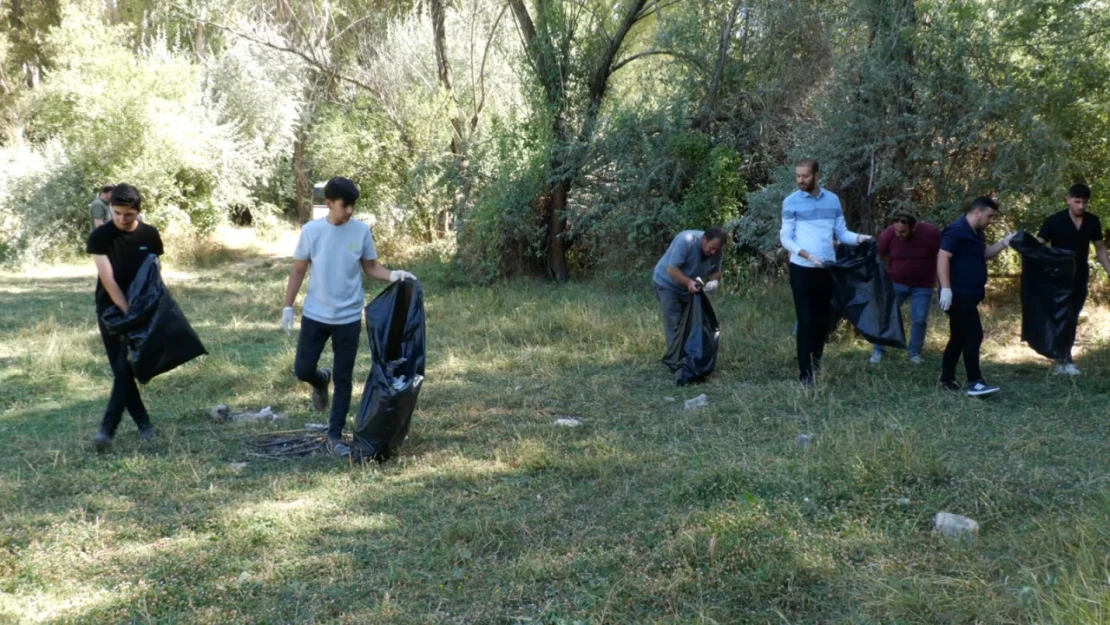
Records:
x=645, y=514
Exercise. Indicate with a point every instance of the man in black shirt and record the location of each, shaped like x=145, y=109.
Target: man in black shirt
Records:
x=1075, y=229
x=119, y=248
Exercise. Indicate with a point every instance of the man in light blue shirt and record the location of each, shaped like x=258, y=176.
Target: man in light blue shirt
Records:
x=811, y=218
x=339, y=250
x=691, y=255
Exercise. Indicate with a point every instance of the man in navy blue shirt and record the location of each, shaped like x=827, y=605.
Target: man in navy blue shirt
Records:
x=1076, y=229
x=962, y=270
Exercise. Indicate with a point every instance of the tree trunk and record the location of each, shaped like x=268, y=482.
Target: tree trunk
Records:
x=301, y=180
x=555, y=218
x=457, y=147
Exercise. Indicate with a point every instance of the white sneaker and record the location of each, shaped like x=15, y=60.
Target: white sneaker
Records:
x=917, y=360
x=1066, y=369
x=876, y=357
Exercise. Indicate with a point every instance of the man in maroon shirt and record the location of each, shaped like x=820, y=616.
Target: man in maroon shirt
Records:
x=909, y=249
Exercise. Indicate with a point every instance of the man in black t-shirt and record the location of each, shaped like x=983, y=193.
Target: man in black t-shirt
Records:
x=1075, y=229
x=119, y=248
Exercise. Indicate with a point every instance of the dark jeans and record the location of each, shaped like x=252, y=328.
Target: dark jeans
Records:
x=125, y=392
x=344, y=348
x=671, y=304
x=1078, y=299
x=813, y=293
x=965, y=338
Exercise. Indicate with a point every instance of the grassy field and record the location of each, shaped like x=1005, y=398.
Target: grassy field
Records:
x=492, y=514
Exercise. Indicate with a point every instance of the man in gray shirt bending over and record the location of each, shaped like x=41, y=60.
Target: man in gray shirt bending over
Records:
x=340, y=250
x=693, y=254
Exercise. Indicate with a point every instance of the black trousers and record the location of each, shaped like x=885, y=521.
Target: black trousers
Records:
x=965, y=337
x=813, y=293
x=1078, y=299
x=344, y=347
x=125, y=392
x=672, y=304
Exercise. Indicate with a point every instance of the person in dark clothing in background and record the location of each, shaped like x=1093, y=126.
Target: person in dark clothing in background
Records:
x=119, y=248
x=692, y=254
x=1075, y=229
x=962, y=270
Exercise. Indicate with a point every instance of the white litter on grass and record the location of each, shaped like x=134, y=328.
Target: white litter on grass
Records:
x=700, y=401
x=804, y=440
x=316, y=427
x=568, y=422
x=237, y=466
x=904, y=501
x=266, y=415
x=955, y=525
x=669, y=399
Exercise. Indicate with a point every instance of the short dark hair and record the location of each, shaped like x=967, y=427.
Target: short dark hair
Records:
x=983, y=202
x=1080, y=191
x=341, y=189
x=126, y=196
x=716, y=234
x=810, y=163
x=107, y=188
x=905, y=218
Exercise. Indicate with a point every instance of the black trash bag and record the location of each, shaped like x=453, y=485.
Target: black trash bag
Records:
x=395, y=327
x=1047, y=282
x=158, y=336
x=866, y=296
x=701, y=336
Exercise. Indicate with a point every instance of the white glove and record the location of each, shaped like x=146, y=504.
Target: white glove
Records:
x=287, y=319
x=1009, y=237
x=816, y=262
x=945, y=299
x=398, y=274
x=711, y=286
x=863, y=238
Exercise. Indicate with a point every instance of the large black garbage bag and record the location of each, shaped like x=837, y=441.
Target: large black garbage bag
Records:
x=865, y=294
x=395, y=327
x=701, y=335
x=1047, y=281
x=159, y=337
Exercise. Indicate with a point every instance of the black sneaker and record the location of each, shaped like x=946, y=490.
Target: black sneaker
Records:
x=103, y=441
x=807, y=382
x=147, y=433
x=320, y=395
x=981, y=388
x=950, y=385
x=338, y=448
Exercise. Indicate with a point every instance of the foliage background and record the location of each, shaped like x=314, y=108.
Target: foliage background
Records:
x=547, y=137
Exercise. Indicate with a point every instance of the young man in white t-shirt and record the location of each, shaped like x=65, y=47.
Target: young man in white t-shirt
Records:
x=340, y=250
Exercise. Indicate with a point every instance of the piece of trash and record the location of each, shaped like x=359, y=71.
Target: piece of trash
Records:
x=237, y=466
x=398, y=383
x=744, y=385
x=518, y=387
x=700, y=401
x=955, y=525
x=804, y=440
x=568, y=422
x=266, y=415
x=669, y=399
x=904, y=501
x=316, y=427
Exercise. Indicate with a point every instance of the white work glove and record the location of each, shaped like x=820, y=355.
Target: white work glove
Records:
x=817, y=262
x=398, y=274
x=945, y=299
x=1007, y=239
x=711, y=286
x=863, y=238
x=287, y=319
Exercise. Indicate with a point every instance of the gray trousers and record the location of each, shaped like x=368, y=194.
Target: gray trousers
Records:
x=672, y=304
